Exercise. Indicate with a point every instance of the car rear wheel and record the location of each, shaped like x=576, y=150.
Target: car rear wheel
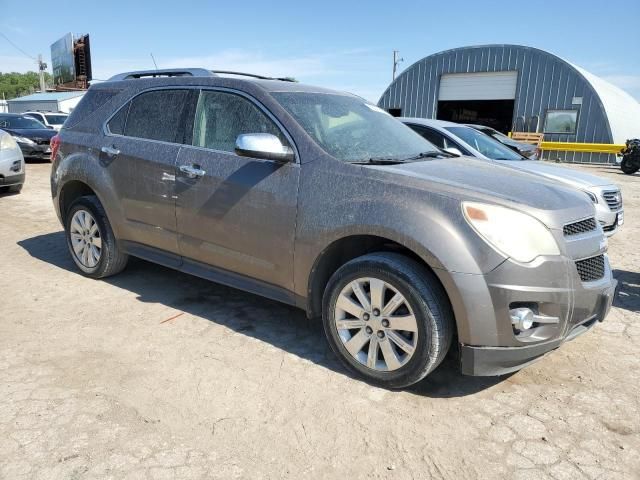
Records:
x=388, y=319
x=91, y=241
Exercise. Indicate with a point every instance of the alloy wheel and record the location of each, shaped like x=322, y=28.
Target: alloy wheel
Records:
x=376, y=324
x=86, y=240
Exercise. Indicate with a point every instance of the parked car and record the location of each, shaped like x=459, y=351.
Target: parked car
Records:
x=11, y=164
x=32, y=136
x=464, y=140
x=49, y=119
x=525, y=149
x=321, y=200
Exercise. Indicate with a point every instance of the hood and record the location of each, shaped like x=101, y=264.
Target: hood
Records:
x=467, y=178
x=565, y=175
x=32, y=133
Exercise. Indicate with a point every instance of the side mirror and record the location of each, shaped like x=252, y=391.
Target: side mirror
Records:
x=263, y=145
x=453, y=150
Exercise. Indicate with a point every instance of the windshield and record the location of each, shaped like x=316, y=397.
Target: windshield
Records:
x=352, y=130
x=56, y=119
x=486, y=145
x=20, y=122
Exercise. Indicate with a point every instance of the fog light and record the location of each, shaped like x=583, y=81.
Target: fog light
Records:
x=16, y=166
x=521, y=318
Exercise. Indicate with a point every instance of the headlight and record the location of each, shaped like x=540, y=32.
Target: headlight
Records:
x=592, y=196
x=512, y=233
x=26, y=140
x=7, y=142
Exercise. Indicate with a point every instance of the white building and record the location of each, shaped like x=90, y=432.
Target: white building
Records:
x=45, y=102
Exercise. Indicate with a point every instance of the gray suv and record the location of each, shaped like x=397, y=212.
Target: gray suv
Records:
x=321, y=200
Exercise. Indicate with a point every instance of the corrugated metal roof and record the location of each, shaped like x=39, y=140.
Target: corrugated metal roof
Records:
x=623, y=111
x=50, y=96
x=547, y=82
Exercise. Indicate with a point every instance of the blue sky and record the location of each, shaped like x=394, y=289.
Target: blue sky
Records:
x=337, y=44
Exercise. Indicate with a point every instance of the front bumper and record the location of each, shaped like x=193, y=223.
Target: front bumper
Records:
x=608, y=219
x=9, y=180
x=550, y=286
x=491, y=361
x=35, y=151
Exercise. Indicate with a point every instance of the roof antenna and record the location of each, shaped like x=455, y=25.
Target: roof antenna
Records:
x=154, y=60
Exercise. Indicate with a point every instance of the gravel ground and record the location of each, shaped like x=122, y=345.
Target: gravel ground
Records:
x=154, y=374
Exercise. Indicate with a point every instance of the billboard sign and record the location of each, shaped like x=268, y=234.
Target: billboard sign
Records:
x=63, y=61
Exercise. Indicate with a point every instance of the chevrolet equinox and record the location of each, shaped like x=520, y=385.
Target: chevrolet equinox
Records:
x=322, y=200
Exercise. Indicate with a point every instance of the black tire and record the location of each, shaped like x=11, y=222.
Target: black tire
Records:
x=427, y=299
x=112, y=259
x=627, y=167
x=15, y=188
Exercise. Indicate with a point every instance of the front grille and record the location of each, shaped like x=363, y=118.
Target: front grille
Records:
x=613, y=199
x=582, y=226
x=42, y=141
x=591, y=269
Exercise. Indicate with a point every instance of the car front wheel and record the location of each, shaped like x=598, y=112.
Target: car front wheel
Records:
x=628, y=167
x=388, y=319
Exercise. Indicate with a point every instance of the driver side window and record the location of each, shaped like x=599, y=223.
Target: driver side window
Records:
x=221, y=117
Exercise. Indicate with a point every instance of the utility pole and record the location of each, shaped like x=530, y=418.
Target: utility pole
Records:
x=42, y=67
x=396, y=61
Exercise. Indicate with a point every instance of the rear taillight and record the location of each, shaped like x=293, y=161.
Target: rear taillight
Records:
x=55, y=144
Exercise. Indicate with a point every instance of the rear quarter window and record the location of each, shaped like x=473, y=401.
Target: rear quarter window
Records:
x=91, y=102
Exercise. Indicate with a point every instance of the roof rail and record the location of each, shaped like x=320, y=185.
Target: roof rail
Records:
x=167, y=72
x=252, y=75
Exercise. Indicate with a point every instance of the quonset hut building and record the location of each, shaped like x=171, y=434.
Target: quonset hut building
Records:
x=519, y=89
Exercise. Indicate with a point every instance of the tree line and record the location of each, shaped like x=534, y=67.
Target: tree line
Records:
x=18, y=84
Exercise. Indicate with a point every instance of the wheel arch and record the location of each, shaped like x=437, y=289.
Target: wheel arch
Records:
x=346, y=248
x=70, y=192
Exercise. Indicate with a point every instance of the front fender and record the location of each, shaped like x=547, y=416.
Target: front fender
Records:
x=428, y=223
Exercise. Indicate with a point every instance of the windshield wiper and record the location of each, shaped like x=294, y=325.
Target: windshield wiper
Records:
x=378, y=161
x=431, y=154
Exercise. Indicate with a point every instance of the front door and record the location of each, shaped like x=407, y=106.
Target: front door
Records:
x=239, y=214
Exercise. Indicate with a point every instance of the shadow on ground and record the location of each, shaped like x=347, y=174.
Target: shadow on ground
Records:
x=628, y=296
x=280, y=325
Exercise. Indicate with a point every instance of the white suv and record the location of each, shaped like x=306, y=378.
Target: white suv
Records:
x=11, y=164
x=50, y=120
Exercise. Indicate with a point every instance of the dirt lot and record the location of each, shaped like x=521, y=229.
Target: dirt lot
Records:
x=154, y=374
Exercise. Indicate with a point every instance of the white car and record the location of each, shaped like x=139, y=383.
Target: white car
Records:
x=11, y=164
x=51, y=120
x=463, y=140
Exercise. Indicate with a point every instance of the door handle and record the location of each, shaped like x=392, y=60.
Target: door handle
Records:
x=192, y=171
x=110, y=151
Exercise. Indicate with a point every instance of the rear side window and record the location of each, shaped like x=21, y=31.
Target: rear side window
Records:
x=221, y=117
x=434, y=137
x=156, y=115
x=37, y=116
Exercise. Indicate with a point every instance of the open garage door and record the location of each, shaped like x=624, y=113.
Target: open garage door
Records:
x=486, y=98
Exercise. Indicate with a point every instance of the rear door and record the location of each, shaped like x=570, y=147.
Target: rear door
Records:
x=240, y=214
x=142, y=146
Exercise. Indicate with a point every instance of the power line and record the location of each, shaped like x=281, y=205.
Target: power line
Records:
x=18, y=48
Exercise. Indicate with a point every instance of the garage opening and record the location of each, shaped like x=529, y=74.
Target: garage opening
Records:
x=497, y=114
x=486, y=98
